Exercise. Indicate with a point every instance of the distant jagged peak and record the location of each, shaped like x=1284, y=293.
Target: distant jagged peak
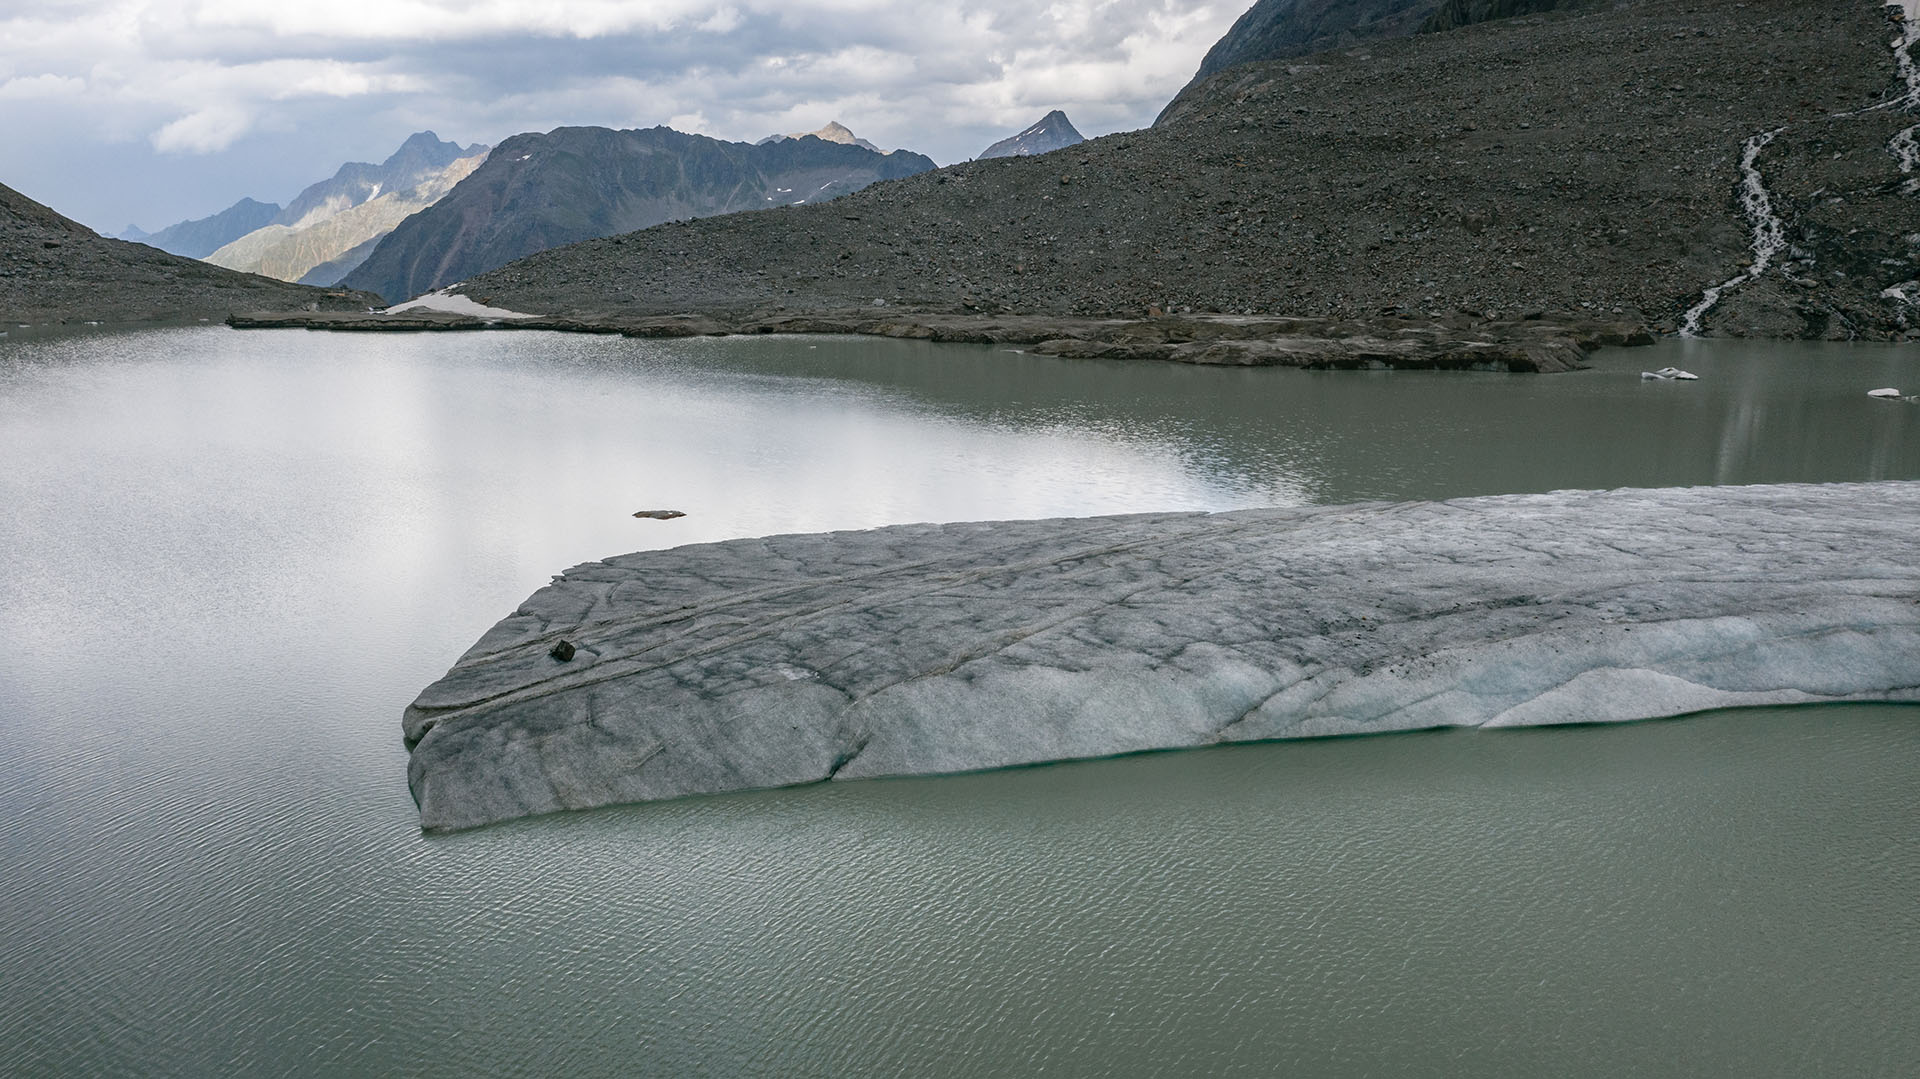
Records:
x=425, y=146
x=421, y=156
x=1052, y=132
x=835, y=131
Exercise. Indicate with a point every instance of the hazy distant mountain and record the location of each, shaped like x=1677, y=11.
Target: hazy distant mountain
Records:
x=201, y=237
x=418, y=159
x=53, y=269
x=578, y=183
x=833, y=132
x=1053, y=132
x=132, y=234
x=320, y=252
x=261, y=237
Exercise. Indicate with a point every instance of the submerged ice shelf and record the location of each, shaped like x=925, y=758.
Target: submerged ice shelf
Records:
x=924, y=649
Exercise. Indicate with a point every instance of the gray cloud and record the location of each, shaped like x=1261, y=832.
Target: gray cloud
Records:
x=155, y=110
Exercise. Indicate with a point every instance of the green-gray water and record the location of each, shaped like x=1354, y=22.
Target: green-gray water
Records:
x=232, y=558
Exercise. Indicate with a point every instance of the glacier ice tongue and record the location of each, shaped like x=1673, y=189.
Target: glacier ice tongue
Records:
x=924, y=649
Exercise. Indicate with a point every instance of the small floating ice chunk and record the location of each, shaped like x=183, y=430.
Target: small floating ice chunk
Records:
x=1888, y=393
x=1669, y=374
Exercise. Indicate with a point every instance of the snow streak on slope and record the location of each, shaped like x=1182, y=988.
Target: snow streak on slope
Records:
x=1769, y=232
x=1906, y=145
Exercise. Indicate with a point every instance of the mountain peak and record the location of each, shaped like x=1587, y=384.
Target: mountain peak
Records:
x=1051, y=132
x=835, y=131
x=425, y=149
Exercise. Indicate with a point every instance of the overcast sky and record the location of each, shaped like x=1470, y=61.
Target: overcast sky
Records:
x=152, y=111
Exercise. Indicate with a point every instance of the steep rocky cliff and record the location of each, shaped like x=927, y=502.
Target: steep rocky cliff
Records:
x=540, y=191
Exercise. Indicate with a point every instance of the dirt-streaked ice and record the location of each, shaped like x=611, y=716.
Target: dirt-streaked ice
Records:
x=454, y=303
x=923, y=649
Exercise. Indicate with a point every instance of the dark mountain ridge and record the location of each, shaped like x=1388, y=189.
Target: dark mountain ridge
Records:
x=538, y=191
x=53, y=269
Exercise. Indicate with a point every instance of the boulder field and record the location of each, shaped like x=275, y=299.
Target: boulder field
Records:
x=942, y=648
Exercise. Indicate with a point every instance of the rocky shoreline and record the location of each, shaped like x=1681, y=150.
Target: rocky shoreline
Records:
x=1537, y=345
x=929, y=649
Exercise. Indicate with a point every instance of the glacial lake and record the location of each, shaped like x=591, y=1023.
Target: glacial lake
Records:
x=231, y=559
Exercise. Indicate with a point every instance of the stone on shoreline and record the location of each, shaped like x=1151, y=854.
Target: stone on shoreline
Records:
x=926, y=649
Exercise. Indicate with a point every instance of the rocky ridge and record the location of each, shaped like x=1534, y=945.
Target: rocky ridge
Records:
x=421, y=158
x=264, y=237
x=925, y=649
x=203, y=236
x=1283, y=29
x=1582, y=164
x=55, y=270
x=327, y=246
x=538, y=191
x=834, y=131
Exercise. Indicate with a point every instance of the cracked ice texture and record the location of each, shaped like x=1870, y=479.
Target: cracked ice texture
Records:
x=923, y=649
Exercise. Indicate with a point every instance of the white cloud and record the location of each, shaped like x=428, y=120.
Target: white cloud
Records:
x=693, y=123
x=203, y=131
x=721, y=21
x=444, y=20
x=41, y=87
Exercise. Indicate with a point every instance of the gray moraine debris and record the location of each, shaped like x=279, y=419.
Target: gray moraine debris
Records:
x=925, y=649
